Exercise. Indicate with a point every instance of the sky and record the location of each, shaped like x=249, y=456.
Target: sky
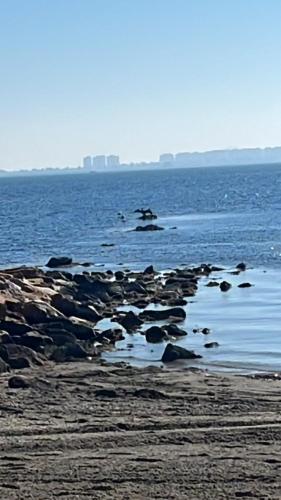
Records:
x=136, y=78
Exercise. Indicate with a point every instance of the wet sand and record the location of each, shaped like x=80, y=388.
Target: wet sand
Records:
x=89, y=430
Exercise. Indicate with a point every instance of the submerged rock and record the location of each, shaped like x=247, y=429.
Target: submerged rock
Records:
x=174, y=314
x=149, y=227
x=173, y=352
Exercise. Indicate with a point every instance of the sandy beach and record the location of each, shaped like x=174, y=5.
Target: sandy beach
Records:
x=90, y=430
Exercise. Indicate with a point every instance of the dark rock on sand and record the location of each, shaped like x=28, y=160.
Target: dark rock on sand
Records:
x=59, y=262
x=149, y=227
x=173, y=314
x=173, y=352
x=245, y=285
x=68, y=352
x=18, y=382
x=225, y=286
x=209, y=345
x=18, y=356
x=155, y=334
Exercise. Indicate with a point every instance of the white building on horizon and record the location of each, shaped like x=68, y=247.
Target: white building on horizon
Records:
x=99, y=161
x=87, y=162
x=113, y=161
x=166, y=158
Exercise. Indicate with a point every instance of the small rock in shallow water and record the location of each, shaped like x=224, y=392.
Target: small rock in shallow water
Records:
x=173, y=352
x=155, y=334
x=149, y=227
x=206, y=331
x=211, y=344
x=241, y=266
x=245, y=285
x=225, y=286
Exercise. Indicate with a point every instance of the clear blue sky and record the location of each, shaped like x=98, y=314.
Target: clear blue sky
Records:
x=136, y=77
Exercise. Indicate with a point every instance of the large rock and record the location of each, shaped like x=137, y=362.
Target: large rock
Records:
x=68, y=352
x=173, y=352
x=15, y=327
x=173, y=314
x=35, y=341
x=39, y=312
x=18, y=356
x=59, y=262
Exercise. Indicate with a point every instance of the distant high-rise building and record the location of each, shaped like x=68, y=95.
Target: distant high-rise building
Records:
x=166, y=158
x=113, y=161
x=99, y=161
x=87, y=162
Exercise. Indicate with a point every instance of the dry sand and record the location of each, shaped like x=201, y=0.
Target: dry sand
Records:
x=92, y=431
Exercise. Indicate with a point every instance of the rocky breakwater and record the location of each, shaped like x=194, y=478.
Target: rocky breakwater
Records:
x=53, y=316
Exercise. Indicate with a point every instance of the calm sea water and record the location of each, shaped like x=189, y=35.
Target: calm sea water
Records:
x=216, y=215
x=221, y=215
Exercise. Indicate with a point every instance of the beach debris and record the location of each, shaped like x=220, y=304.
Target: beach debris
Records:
x=173, y=352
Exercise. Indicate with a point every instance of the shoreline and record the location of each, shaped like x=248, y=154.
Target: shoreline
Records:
x=89, y=430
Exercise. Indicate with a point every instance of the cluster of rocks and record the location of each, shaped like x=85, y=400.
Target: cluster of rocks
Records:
x=54, y=315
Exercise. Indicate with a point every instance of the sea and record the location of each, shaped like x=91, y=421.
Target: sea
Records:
x=215, y=215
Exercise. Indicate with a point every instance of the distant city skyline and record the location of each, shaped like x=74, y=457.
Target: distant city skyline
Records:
x=136, y=77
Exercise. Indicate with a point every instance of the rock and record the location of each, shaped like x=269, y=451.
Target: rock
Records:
x=173, y=352
x=61, y=337
x=241, y=266
x=173, y=314
x=3, y=366
x=130, y=321
x=174, y=330
x=5, y=338
x=245, y=285
x=225, y=286
x=64, y=304
x=39, y=312
x=111, y=335
x=15, y=327
x=119, y=275
x=107, y=245
x=149, y=270
x=206, y=331
x=149, y=227
x=210, y=345
x=155, y=334
x=59, y=262
x=18, y=356
x=68, y=352
x=213, y=283
x=18, y=382
x=35, y=341
x=148, y=216
x=147, y=393
x=106, y=393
